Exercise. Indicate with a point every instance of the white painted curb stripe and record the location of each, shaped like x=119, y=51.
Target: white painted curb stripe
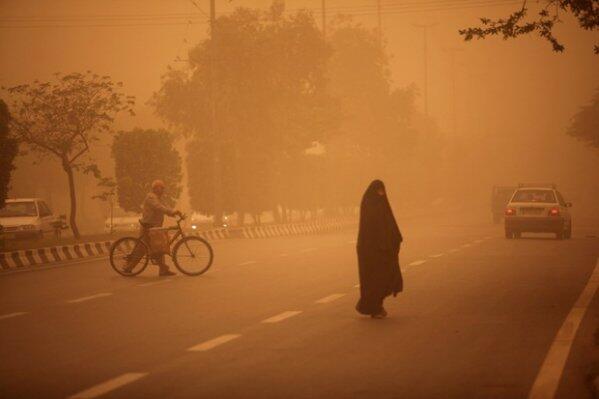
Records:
x=11, y=315
x=330, y=298
x=213, y=343
x=282, y=316
x=88, y=298
x=110, y=385
x=549, y=376
x=436, y=256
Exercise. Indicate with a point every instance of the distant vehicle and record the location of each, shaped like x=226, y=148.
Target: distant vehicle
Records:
x=538, y=208
x=122, y=223
x=25, y=218
x=500, y=196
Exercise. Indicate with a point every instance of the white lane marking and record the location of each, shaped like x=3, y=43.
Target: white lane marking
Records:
x=454, y=250
x=478, y=241
x=10, y=315
x=307, y=250
x=417, y=263
x=249, y=262
x=436, y=255
x=549, y=376
x=465, y=245
x=88, y=298
x=108, y=386
x=282, y=316
x=154, y=282
x=213, y=343
x=330, y=298
x=357, y=286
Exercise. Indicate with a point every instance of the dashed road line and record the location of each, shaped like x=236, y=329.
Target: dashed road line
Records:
x=88, y=298
x=154, y=282
x=436, y=255
x=11, y=315
x=357, y=286
x=330, y=298
x=417, y=263
x=307, y=250
x=108, y=386
x=213, y=343
x=454, y=250
x=465, y=245
x=549, y=375
x=282, y=316
x=249, y=262
x=478, y=241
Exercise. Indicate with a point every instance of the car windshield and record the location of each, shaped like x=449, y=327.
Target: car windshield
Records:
x=534, y=196
x=18, y=209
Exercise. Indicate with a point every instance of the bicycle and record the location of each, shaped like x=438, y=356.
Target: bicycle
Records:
x=191, y=255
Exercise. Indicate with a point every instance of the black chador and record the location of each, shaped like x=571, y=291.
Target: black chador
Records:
x=379, y=240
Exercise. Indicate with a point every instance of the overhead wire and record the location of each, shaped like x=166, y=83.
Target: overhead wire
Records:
x=174, y=19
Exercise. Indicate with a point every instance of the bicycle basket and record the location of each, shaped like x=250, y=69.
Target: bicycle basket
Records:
x=159, y=241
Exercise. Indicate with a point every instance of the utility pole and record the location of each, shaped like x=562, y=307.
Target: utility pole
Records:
x=217, y=194
x=380, y=20
x=324, y=19
x=452, y=53
x=425, y=28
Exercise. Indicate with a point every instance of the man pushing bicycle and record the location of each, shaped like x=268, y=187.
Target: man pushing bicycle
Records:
x=153, y=211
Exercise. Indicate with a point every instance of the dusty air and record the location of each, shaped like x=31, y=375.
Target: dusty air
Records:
x=299, y=199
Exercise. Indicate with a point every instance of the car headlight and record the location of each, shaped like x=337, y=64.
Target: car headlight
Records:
x=193, y=226
x=28, y=227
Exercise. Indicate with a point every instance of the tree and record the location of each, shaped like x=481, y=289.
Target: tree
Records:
x=585, y=11
x=8, y=152
x=375, y=133
x=585, y=124
x=270, y=104
x=140, y=157
x=64, y=118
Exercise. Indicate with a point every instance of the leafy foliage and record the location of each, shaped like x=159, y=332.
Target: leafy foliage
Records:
x=142, y=156
x=585, y=11
x=8, y=152
x=585, y=124
x=65, y=117
x=267, y=83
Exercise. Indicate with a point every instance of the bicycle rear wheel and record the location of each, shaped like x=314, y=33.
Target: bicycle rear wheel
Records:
x=192, y=256
x=129, y=256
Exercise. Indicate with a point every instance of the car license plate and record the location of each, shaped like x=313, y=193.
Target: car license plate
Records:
x=532, y=211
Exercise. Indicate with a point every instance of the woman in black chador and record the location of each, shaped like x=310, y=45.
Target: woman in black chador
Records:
x=379, y=239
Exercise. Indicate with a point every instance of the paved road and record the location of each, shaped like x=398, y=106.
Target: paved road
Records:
x=274, y=318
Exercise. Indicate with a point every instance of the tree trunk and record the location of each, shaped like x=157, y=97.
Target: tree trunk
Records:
x=73, y=215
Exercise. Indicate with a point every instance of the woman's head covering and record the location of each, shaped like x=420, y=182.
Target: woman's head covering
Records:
x=371, y=194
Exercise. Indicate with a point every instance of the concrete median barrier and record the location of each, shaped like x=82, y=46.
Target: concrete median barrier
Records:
x=31, y=258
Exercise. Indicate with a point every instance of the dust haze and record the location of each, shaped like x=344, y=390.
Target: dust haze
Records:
x=498, y=109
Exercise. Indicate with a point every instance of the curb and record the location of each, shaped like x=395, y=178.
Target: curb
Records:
x=44, y=256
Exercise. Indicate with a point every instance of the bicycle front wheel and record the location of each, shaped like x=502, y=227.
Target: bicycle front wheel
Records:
x=129, y=256
x=192, y=256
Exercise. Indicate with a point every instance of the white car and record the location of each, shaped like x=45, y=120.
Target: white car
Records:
x=28, y=218
x=538, y=209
